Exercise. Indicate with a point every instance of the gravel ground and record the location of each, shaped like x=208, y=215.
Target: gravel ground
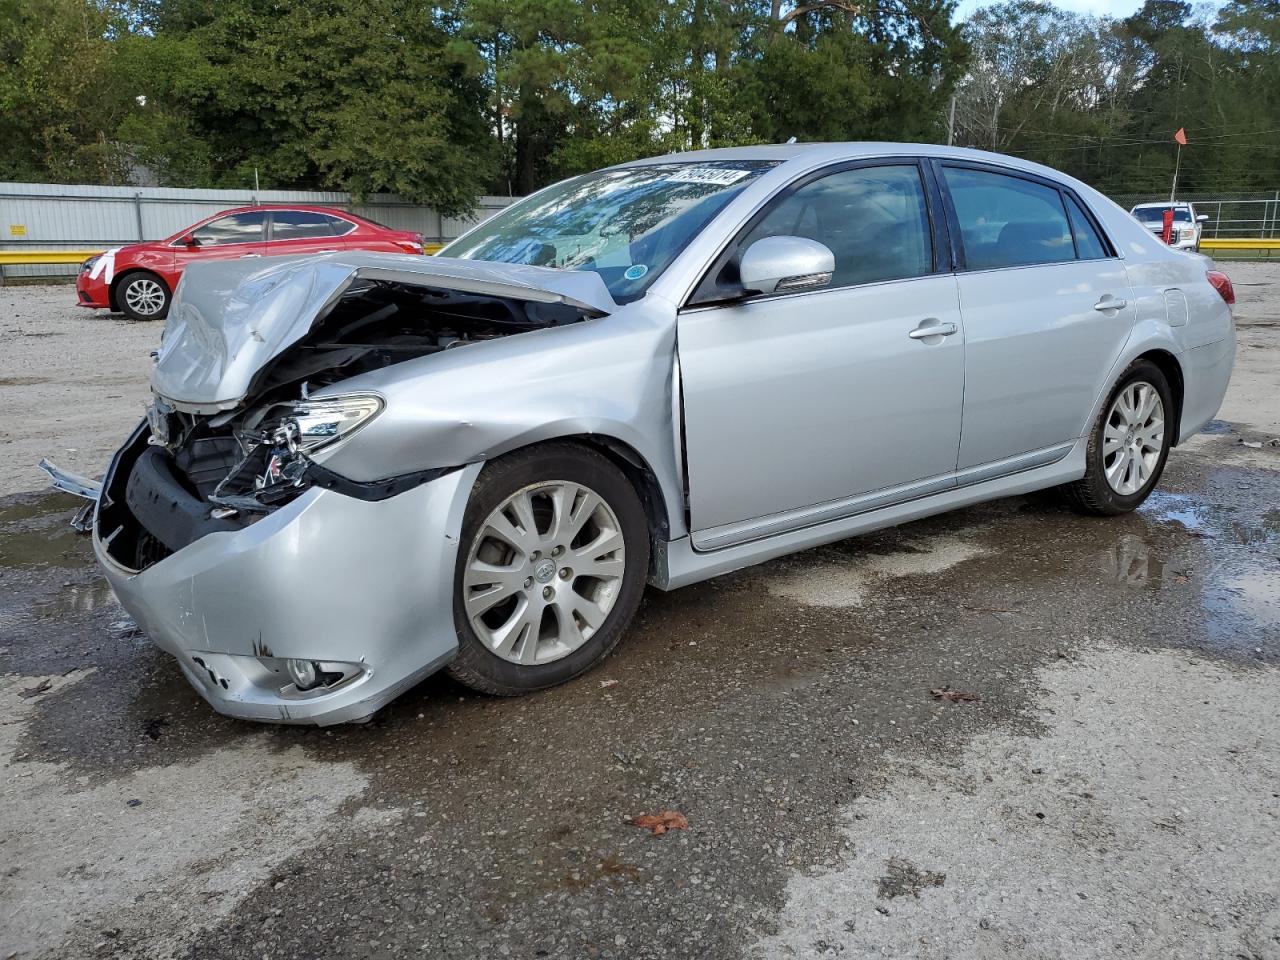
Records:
x=1110, y=790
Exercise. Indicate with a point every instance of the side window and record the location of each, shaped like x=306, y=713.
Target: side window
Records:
x=299, y=225
x=1007, y=221
x=340, y=227
x=1089, y=245
x=874, y=219
x=237, y=228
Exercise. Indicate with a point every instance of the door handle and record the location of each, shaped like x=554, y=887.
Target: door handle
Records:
x=932, y=328
x=246, y=256
x=1108, y=302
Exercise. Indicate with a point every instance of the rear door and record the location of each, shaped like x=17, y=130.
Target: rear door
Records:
x=809, y=399
x=302, y=232
x=226, y=238
x=1047, y=309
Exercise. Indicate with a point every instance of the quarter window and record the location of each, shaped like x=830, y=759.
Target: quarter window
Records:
x=237, y=228
x=339, y=226
x=1007, y=221
x=1089, y=245
x=874, y=220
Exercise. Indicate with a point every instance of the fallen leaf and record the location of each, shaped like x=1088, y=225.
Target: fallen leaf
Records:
x=952, y=696
x=606, y=684
x=660, y=823
x=35, y=691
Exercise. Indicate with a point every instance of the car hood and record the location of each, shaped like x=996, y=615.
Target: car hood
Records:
x=230, y=318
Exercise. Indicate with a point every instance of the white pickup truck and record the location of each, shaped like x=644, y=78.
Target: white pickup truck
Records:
x=1187, y=224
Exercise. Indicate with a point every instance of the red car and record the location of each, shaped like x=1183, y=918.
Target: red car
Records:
x=139, y=279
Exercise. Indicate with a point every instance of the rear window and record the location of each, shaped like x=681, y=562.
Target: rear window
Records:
x=1008, y=221
x=300, y=225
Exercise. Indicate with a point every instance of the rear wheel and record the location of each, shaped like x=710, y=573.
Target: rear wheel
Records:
x=142, y=295
x=1128, y=446
x=553, y=560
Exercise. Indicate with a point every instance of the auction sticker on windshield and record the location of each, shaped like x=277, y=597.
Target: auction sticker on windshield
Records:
x=718, y=175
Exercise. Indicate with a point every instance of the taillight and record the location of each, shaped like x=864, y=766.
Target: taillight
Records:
x=1222, y=283
x=409, y=246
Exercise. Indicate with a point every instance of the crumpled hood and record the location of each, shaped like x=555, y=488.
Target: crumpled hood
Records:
x=230, y=318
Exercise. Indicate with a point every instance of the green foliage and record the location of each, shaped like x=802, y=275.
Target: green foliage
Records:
x=443, y=102
x=1101, y=98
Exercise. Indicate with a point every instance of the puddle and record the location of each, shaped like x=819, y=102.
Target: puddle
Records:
x=1132, y=561
x=1209, y=521
x=38, y=533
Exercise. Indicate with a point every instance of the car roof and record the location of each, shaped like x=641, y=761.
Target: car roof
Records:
x=851, y=150
x=285, y=205
x=1163, y=204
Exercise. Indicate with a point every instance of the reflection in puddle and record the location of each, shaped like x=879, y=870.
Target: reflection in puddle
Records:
x=1200, y=518
x=1129, y=560
x=38, y=533
x=77, y=598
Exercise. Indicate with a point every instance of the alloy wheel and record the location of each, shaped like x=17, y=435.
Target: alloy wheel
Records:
x=145, y=297
x=1133, y=437
x=543, y=572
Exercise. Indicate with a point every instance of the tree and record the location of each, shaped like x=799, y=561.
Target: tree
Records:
x=358, y=95
x=59, y=99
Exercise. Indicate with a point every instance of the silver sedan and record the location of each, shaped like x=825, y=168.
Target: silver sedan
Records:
x=359, y=469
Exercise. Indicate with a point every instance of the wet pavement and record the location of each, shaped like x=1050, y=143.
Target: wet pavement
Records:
x=1107, y=789
x=759, y=705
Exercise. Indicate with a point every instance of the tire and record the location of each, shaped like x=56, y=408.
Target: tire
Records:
x=517, y=632
x=1133, y=476
x=141, y=295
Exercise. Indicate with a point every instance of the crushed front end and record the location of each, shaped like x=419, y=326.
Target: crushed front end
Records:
x=287, y=591
x=319, y=610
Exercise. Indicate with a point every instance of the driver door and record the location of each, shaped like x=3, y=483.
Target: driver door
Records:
x=806, y=406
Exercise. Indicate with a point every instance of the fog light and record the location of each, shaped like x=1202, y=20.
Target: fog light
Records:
x=305, y=674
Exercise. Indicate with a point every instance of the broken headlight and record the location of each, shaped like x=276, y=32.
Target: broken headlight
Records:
x=321, y=422
x=275, y=456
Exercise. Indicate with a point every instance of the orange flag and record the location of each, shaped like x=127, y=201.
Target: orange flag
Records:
x=1181, y=136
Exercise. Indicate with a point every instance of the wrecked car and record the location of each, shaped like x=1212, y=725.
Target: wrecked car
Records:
x=360, y=468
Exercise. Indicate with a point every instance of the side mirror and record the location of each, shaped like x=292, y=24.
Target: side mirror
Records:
x=1201, y=217
x=189, y=240
x=779, y=264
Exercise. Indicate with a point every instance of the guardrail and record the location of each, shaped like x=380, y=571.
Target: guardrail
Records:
x=14, y=258
x=1240, y=243
x=19, y=257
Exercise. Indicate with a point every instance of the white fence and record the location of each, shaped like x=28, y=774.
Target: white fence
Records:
x=51, y=216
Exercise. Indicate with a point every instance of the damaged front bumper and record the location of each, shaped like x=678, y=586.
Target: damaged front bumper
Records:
x=359, y=587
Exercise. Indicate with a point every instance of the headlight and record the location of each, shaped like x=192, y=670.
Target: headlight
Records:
x=321, y=422
x=88, y=264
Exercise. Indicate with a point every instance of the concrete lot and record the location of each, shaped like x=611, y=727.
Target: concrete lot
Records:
x=1113, y=791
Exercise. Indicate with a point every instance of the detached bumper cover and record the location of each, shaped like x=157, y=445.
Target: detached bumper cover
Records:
x=326, y=577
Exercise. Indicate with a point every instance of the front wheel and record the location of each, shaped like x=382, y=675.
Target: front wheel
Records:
x=1128, y=445
x=552, y=563
x=142, y=296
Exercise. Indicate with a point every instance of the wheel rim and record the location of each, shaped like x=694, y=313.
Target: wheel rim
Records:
x=144, y=296
x=543, y=572
x=1133, y=438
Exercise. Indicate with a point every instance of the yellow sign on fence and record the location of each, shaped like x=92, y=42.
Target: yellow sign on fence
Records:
x=17, y=229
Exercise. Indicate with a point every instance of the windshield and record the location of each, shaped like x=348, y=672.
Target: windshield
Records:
x=1156, y=214
x=625, y=224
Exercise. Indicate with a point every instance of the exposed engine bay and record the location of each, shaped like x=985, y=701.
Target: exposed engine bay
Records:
x=190, y=474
